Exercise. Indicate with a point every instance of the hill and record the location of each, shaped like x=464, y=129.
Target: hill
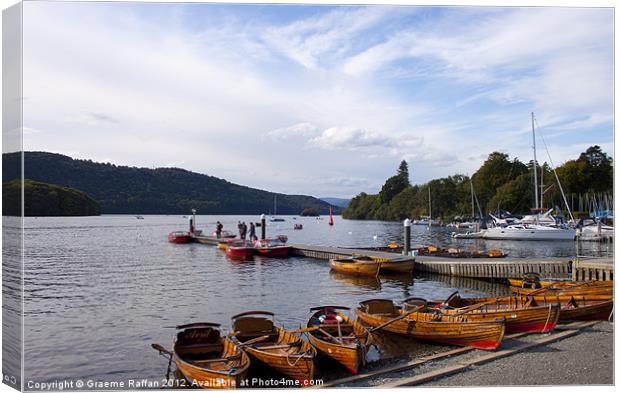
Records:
x=43, y=199
x=340, y=202
x=132, y=190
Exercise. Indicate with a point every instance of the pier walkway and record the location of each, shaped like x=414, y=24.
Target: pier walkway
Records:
x=578, y=268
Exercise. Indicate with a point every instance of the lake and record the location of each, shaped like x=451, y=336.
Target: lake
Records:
x=100, y=290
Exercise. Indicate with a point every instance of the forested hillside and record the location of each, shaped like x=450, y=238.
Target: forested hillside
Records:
x=131, y=190
x=500, y=183
x=42, y=199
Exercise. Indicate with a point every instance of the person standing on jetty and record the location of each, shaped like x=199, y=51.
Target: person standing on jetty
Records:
x=218, y=229
x=240, y=228
x=244, y=230
x=252, y=233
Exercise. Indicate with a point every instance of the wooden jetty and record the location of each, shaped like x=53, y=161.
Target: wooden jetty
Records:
x=586, y=268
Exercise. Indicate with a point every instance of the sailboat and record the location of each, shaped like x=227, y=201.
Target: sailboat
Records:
x=530, y=231
x=275, y=210
x=331, y=218
x=427, y=220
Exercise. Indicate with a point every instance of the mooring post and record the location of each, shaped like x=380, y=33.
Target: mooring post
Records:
x=263, y=227
x=407, y=245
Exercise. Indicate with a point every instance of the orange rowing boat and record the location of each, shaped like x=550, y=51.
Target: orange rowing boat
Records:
x=452, y=330
x=339, y=337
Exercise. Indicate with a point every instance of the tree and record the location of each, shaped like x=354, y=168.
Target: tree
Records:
x=395, y=184
x=496, y=171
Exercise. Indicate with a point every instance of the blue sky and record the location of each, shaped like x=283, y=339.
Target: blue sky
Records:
x=317, y=100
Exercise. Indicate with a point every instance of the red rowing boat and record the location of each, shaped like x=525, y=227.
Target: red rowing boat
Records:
x=240, y=249
x=179, y=237
x=273, y=248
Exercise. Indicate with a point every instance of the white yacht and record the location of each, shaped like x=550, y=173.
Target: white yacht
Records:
x=528, y=232
x=530, y=227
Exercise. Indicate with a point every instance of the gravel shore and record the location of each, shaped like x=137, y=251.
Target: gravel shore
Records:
x=584, y=359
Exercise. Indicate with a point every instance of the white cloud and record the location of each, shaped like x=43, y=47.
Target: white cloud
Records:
x=244, y=99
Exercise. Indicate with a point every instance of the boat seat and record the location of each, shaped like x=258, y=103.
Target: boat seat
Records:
x=252, y=327
x=379, y=306
x=200, y=351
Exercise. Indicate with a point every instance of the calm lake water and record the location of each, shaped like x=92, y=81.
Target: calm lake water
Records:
x=100, y=290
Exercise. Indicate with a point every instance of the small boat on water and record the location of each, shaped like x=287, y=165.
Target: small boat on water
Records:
x=400, y=265
x=520, y=316
x=272, y=248
x=361, y=266
x=240, y=249
x=257, y=334
x=207, y=359
x=339, y=337
x=179, y=237
x=298, y=226
x=452, y=330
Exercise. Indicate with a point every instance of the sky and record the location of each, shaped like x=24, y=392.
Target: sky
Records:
x=316, y=100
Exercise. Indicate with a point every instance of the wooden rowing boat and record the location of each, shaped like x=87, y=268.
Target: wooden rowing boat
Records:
x=401, y=265
x=521, y=315
x=566, y=291
x=207, y=359
x=572, y=308
x=339, y=337
x=560, y=284
x=359, y=265
x=452, y=330
x=256, y=333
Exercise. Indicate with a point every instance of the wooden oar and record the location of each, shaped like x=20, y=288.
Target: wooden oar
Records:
x=226, y=360
x=394, y=320
x=330, y=336
x=161, y=350
x=253, y=341
x=465, y=310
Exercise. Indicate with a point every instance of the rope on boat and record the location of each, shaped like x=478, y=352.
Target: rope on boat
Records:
x=300, y=356
x=548, y=317
x=611, y=314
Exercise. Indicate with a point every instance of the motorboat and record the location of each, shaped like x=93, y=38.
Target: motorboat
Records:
x=179, y=237
x=528, y=232
x=274, y=248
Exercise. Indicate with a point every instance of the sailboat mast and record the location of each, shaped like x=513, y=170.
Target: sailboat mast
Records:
x=430, y=214
x=535, y=175
x=473, y=211
x=275, y=205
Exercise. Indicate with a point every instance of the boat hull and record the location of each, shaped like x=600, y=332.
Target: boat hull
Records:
x=572, y=308
x=510, y=233
x=578, y=291
x=218, y=375
x=179, y=238
x=274, y=252
x=351, y=354
x=358, y=268
x=447, y=330
x=398, y=266
x=295, y=363
x=239, y=252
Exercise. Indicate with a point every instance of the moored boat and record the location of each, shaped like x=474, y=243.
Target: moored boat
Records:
x=257, y=334
x=520, y=315
x=572, y=308
x=273, y=248
x=401, y=265
x=566, y=291
x=206, y=359
x=179, y=237
x=525, y=283
x=224, y=235
x=240, y=249
x=339, y=337
x=360, y=265
x=452, y=330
